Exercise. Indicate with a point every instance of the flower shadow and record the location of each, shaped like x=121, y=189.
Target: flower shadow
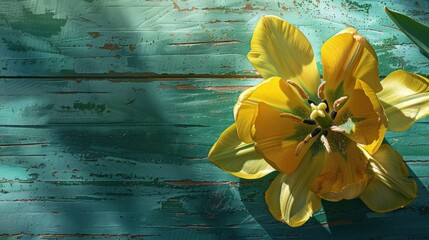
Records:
x=354, y=220
x=338, y=220
x=252, y=195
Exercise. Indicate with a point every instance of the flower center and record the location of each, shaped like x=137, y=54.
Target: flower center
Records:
x=319, y=113
x=321, y=116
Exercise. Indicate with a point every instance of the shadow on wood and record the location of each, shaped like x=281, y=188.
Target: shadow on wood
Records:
x=349, y=219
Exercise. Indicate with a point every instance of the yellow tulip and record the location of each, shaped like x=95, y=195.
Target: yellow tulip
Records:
x=325, y=138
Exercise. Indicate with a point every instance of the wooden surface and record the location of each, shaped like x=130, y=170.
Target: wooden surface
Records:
x=109, y=108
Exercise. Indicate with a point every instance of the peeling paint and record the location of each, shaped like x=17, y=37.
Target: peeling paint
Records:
x=94, y=34
x=41, y=25
x=150, y=45
x=226, y=88
x=80, y=106
x=79, y=235
x=356, y=6
x=180, y=86
x=110, y=46
x=82, y=173
x=176, y=6
x=78, y=92
x=248, y=7
x=200, y=183
x=214, y=9
x=215, y=43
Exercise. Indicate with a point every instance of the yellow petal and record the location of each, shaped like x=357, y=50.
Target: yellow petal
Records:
x=348, y=30
x=363, y=117
x=390, y=188
x=405, y=98
x=277, y=138
x=346, y=57
x=288, y=197
x=247, y=110
x=274, y=92
x=344, y=174
x=236, y=157
x=383, y=121
x=280, y=49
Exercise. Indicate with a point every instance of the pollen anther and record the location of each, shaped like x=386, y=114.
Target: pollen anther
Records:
x=315, y=131
x=299, y=148
x=333, y=114
x=337, y=129
x=291, y=117
x=301, y=144
x=338, y=102
x=320, y=90
x=301, y=92
x=306, y=139
x=309, y=121
x=325, y=143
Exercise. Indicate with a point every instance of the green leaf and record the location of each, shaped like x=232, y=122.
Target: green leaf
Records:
x=417, y=32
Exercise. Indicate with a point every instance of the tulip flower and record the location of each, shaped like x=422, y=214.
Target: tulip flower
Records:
x=324, y=138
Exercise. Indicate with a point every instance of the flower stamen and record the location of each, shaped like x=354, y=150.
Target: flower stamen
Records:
x=309, y=121
x=325, y=142
x=337, y=129
x=320, y=90
x=306, y=139
x=291, y=117
x=301, y=144
x=333, y=114
x=301, y=92
x=299, y=148
x=339, y=102
x=315, y=131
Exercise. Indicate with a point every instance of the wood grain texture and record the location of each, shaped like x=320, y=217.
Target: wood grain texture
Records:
x=111, y=143
x=127, y=158
x=66, y=38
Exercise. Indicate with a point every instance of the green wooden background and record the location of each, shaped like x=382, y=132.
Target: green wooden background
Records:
x=108, y=109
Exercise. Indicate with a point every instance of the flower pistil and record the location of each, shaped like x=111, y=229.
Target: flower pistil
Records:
x=320, y=115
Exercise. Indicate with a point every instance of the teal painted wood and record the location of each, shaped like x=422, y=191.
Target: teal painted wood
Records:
x=83, y=37
x=122, y=158
x=115, y=157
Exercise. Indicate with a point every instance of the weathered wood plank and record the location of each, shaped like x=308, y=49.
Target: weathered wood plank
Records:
x=123, y=158
x=68, y=38
x=119, y=158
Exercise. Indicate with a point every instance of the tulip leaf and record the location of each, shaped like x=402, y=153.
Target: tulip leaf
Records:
x=416, y=31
